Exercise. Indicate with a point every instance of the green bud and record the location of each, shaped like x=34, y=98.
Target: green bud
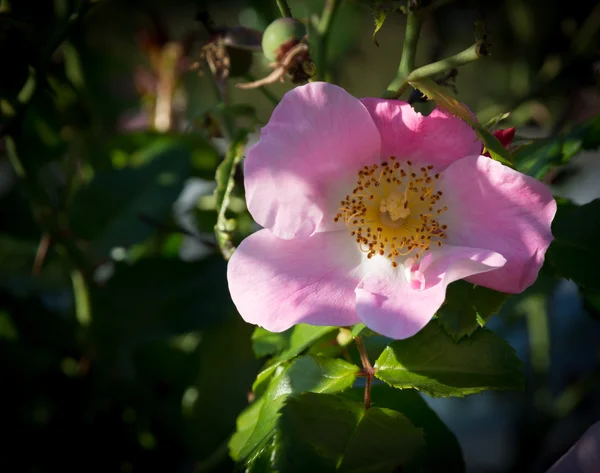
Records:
x=283, y=32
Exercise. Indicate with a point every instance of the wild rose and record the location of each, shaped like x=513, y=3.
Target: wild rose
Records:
x=370, y=210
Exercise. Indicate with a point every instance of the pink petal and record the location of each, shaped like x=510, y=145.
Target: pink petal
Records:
x=318, y=136
x=392, y=305
x=492, y=206
x=278, y=283
x=439, y=138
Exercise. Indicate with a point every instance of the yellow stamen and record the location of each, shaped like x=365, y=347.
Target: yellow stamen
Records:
x=392, y=211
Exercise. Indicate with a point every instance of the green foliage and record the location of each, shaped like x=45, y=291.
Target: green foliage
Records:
x=468, y=307
x=214, y=400
x=268, y=343
x=160, y=297
x=328, y=433
x=442, y=450
x=302, y=337
x=433, y=363
x=115, y=208
x=574, y=252
x=308, y=373
x=537, y=158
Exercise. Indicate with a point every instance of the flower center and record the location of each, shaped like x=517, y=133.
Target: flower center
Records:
x=393, y=211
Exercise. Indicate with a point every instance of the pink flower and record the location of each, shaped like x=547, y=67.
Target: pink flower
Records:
x=370, y=210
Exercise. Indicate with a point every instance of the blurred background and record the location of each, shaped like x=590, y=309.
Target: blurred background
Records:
x=121, y=350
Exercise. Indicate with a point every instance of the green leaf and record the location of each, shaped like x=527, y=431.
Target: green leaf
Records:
x=225, y=177
x=379, y=16
x=433, y=363
x=222, y=382
x=492, y=122
x=302, y=337
x=114, y=208
x=539, y=157
x=328, y=433
x=442, y=452
x=268, y=343
x=492, y=144
x=361, y=330
x=308, y=373
x=441, y=97
x=156, y=297
x=468, y=307
x=262, y=379
x=245, y=424
x=574, y=252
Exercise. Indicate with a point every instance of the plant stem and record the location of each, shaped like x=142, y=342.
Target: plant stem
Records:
x=83, y=310
x=414, y=20
x=368, y=370
x=322, y=33
x=470, y=54
x=284, y=8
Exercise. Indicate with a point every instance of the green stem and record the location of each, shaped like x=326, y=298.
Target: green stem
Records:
x=83, y=310
x=470, y=54
x=284, y=8
x=323, y=28
x=414, y=21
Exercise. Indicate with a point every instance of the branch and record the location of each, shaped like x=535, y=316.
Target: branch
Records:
x=414, y=21
x=322, y=32
x=284, y=8
x=470, y=54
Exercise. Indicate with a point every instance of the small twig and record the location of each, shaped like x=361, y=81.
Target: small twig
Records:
x=368, y=370
x=284, y=8
x=41, y=253
x=279, y=71
x=83, y=308
x=274, y=76
x=472, y=53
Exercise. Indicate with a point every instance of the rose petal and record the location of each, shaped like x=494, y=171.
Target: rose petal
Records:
x=392, y=305
x=439, y=138
x=278, y=283
x=318, y=135
x=492, y=206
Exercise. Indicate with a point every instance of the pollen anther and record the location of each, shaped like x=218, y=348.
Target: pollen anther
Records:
x=393, y=211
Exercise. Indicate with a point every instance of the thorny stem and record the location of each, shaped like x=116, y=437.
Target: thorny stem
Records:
x=41, y=253
x=323, y=28
x=368, y=370
x=414, y=20
x=470, y=54
x=284, y=8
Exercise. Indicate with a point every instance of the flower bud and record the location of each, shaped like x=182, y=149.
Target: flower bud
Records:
x=280, y=36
